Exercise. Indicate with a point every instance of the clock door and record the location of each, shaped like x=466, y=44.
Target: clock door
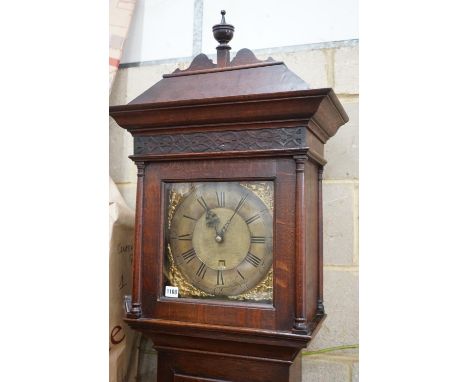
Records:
x=215, y=253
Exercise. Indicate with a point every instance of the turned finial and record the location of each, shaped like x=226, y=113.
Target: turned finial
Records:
x=223, y=33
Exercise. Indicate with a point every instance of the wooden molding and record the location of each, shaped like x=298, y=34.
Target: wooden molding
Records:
x=221, y=113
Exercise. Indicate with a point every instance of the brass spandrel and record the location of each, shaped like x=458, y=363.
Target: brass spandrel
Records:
x=264, y=190
x=174, y=200
x=176, y=279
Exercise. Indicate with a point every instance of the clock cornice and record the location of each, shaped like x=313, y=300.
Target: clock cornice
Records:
x=318, y=109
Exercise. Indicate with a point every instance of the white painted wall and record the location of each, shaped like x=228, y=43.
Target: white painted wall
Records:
x=163, y=29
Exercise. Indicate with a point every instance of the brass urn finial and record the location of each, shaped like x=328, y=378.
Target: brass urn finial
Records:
x=223, y=33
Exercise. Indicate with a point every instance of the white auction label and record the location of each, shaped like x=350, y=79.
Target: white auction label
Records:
x=172, y=291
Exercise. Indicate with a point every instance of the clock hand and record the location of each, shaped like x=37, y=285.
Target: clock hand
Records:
x=212, y=221
x=220, y=234
x=226, y=225
x=239, y=206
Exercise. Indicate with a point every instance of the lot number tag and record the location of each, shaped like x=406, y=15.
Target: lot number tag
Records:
x=172, y=291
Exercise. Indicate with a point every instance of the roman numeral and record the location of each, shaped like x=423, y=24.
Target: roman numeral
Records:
x=189, y=217
x=257, y=239
x=252, y=259
x=203, y=203
x=221, y=199
x=240, y=274
x=189, y=255
x=219, y=279
x=241, y=203
x=252, y=219
x=201, y=270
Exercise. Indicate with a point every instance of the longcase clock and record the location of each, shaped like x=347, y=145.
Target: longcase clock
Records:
x=227, y=278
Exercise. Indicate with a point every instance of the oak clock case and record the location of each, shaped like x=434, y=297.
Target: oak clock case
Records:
x=230, y=158
x=219, y=240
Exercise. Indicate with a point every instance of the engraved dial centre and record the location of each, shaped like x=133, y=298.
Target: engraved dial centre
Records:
x=225, y=251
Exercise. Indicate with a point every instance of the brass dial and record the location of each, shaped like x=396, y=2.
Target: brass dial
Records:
x=221, y=236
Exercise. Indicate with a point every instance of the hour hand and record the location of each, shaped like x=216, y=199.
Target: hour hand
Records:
x=212, y=220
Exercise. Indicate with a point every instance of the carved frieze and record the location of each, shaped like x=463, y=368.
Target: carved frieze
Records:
x=218, y=141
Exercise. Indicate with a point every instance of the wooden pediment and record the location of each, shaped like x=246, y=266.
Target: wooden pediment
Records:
x=246, y=75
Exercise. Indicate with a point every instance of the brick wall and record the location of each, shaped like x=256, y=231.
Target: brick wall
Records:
x=333, y=354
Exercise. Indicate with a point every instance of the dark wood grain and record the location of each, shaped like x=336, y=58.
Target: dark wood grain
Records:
x=233, y=354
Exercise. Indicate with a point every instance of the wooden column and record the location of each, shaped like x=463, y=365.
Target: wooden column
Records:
x=135, y=312
x=300, y=322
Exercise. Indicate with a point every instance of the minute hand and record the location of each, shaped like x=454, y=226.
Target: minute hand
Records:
x=226, y=225
x=239, y=206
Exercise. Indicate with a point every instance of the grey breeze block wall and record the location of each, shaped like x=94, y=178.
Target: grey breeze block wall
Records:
x=333, y=354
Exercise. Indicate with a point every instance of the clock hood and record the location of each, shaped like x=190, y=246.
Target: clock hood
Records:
x=242, y=93
x=245, y=91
